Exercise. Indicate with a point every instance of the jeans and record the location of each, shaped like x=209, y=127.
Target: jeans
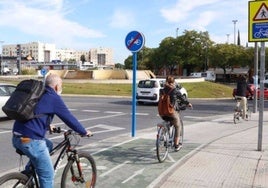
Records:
x=38, y=153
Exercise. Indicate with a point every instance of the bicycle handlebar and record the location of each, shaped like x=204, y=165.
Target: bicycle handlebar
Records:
x=66, y=131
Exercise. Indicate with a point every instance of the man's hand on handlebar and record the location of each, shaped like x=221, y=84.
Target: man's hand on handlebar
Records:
x=89, y=133
x=190, y=105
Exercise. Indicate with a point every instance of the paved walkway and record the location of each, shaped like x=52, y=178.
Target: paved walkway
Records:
x=232, y=161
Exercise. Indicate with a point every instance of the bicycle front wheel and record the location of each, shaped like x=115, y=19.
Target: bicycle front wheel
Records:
x=14, y=180
x=162, y=144
x=71, y=176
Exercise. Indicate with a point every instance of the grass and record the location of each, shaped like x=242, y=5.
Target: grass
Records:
x=195, y=90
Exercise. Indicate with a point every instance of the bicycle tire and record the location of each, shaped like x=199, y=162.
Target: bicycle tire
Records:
x=89, y=171
x=181, y=132
x=162, y=144
x=236, y=117
x=14, y=180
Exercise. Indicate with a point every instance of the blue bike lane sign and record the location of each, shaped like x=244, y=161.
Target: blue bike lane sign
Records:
x=134, y=41
x=258, y=21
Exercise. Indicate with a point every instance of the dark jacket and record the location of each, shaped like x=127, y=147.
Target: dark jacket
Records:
x=242, y=88
x=176, y=98
x=49, y=105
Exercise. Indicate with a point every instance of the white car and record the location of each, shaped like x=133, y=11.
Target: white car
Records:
x=149, y=90
x=5, y=92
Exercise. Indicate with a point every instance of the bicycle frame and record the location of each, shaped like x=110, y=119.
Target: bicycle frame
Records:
x=65, y=147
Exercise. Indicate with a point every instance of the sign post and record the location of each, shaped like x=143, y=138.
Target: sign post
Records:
x=134, y=42
x=258, y=32
x=44, y=72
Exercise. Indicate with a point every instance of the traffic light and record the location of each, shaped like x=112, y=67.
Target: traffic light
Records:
x=18, y=50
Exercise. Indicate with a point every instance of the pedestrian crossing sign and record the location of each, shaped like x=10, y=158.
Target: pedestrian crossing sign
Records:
x=258, y=21
x=262, y=13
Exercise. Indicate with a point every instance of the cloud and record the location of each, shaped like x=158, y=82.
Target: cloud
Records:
x=46, y=20
x=122, y=19
x=183, y=9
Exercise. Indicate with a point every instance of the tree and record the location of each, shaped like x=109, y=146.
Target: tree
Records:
x=83, y=59
x=227, y=56
x=119, y=66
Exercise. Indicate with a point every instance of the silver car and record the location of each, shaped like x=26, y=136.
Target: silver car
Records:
x=5, y=92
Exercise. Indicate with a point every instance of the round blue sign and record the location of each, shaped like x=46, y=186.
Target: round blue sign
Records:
x=134, y=41
x=43, y=71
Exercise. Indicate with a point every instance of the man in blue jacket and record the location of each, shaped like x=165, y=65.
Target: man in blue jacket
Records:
x=29, y=136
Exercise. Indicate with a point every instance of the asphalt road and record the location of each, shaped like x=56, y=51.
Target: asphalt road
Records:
x=122, y=160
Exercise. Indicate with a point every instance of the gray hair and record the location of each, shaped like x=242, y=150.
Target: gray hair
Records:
x=52, y=80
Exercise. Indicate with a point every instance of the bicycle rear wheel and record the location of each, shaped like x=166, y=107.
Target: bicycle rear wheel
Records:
x=14, y=180
x=181, y=133
x=162, y=144
x=72, y=178
x=236, y=117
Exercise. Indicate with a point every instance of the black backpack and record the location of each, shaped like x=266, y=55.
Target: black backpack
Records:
x=21, y=104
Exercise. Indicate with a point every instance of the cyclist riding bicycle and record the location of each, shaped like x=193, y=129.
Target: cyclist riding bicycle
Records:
x=241, y=91
x=29, y=137
x=177, y=99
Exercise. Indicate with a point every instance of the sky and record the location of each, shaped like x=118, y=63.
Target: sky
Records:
x=85, y=24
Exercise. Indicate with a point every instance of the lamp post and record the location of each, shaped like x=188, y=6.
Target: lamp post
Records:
x=227, y=38
x=234, y=21
x=1, y=64
x=177, y=29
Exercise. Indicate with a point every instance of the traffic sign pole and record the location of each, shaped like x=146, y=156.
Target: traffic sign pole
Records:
x=134, y=59
x=134, y=42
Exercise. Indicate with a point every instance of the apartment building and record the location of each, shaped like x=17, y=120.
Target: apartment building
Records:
x=46, y=53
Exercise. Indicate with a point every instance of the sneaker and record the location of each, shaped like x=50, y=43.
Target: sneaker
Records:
x=178, y=147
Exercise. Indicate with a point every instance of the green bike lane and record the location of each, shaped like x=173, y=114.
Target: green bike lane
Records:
x=133, y=163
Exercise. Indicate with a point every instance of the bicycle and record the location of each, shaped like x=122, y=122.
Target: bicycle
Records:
x=80, y=170
x=238, y=112
x=165, y=137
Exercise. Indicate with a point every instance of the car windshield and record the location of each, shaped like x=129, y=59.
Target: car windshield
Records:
x=147, y=84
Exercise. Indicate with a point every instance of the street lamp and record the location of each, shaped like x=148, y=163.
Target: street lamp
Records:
x=234, y=21
x=177, y=29
x=227, y=38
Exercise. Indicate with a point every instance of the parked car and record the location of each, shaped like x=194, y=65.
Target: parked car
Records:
x=252, y=87
x=149, y=90
x=5, y=92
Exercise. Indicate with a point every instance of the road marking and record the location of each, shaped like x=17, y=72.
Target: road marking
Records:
x=138, y=172
x=171, y=158
x=90, y=111
x=112, y=112
x=107, y=128
x=119, y=144
x=141, y=114
x=113, y=169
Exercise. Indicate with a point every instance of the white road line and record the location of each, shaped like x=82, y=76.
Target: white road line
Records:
x=138, y=172
x=107, y=128
x=113, y=169
x=112, y=112
x=119, y=144
x=90, y=111
x=141, y=114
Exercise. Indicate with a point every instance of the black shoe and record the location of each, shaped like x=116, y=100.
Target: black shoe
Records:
x=178, y=147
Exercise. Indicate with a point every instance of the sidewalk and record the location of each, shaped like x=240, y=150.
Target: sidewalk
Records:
x=229, y=162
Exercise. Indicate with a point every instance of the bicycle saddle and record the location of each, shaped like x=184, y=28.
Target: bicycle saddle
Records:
x=18, y=151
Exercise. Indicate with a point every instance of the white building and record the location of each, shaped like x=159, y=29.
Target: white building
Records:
x=40, y=52
x=44, y=52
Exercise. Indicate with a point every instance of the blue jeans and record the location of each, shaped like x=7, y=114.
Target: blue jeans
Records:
x=38, y=153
